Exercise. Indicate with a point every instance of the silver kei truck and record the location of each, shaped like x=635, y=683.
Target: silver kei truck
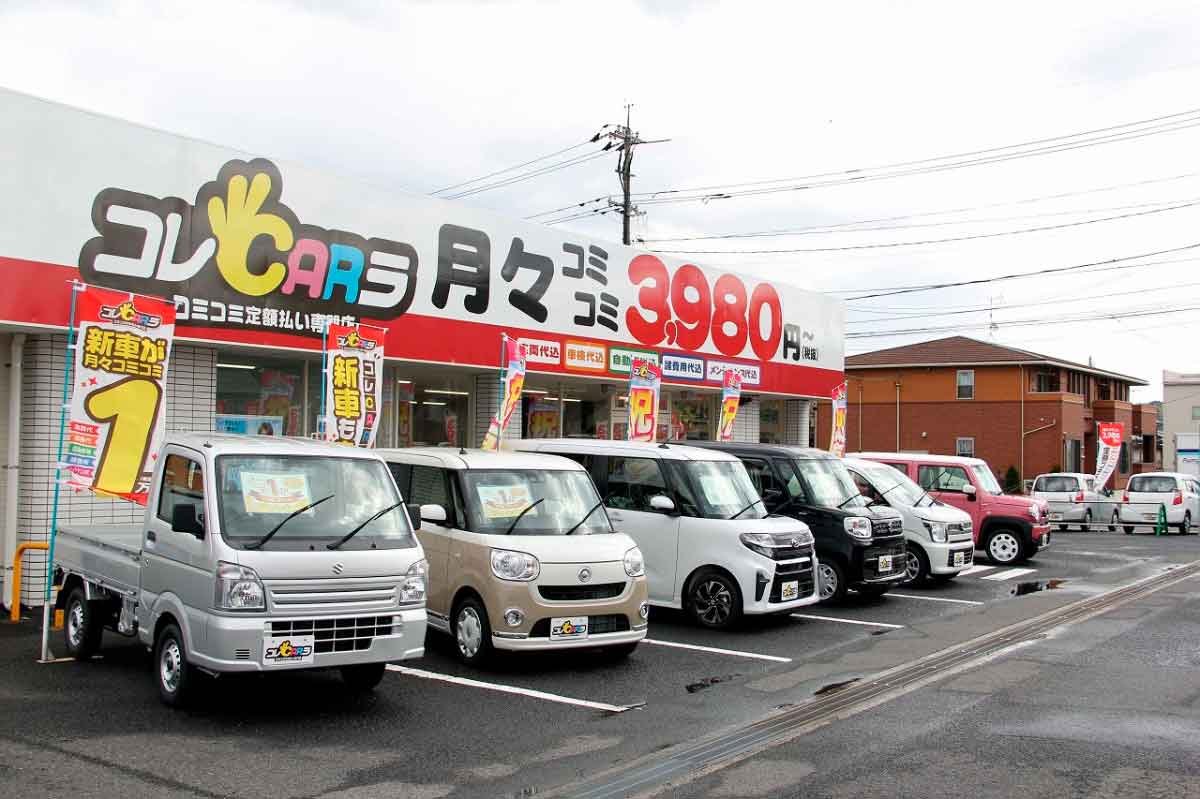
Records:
x=255, y=555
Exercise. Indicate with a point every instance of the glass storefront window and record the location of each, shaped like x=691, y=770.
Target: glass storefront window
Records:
x=439, y=419
x=770, y=422
x=691, y=419
x=260, y=396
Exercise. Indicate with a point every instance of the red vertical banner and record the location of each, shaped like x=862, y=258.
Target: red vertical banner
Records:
x=511, y=386
x=118, y=393
x=353, y=383
x=645, y=378
x=1109, y=436
x=731, y=398
x=837, y=436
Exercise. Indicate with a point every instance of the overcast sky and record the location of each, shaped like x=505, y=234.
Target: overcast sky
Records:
x=427, y=94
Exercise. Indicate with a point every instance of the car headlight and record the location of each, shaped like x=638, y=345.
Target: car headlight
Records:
x=413, y=587
x=761, y=543
x=238, y=588
x=858, y=527
x=508, y=564
x=635, y=564
x=937, y=531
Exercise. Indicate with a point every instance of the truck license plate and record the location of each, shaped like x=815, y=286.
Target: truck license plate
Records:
x=885, y=563
x=288, y=650
x=789, y=590
x=960, y=558
x=568, y=628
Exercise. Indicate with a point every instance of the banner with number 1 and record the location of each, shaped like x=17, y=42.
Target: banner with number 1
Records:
x=118, y=392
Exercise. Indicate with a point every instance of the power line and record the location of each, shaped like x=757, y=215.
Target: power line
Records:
x=1090, y=317
x=583, y=143
x=555, y=167
x=883, y=245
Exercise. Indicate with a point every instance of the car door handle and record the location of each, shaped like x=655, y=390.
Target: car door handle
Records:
x=150, y=536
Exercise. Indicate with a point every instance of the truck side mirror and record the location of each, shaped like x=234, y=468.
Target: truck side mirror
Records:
x=184, y=520
x=414, y=515
x=433, y=513
x=969, y=491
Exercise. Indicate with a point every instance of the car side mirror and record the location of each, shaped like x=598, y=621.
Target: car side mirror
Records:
x=662, y=502
x=414, y=514
x=969, y=491
x=433, y=513
x=184, y=520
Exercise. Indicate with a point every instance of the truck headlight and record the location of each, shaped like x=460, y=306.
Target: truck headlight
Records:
x=238, y=588
x=412, y=588
x=635, y=564
x=508, y=564
x=859, y=527
x=937, y=531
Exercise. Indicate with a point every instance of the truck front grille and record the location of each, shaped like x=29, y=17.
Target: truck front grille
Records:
x=571, y=593
x=337, y=635
x=333, y=596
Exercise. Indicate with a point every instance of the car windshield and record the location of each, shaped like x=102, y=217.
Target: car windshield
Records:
x=986, y=479
x=1158, y=484
x=895, y=487
x=494, y=498
x=1057, y=485
x=829, y=483
x=717, y=489
x=258, y=492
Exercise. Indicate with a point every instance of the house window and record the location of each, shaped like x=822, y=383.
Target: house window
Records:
x=1046, y=380
x=964, y=447
x=1196, y=413
x=1103, y=390
x=1123, y=462
x=966, y=384
x=1074, y=455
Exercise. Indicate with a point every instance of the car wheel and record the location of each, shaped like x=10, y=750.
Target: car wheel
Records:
x=173, y=673
x=1186, y=526
x=1129, y=529
x=1112, y=523
x=81, y=628
x=1087, y=521
x=1004, y=547
x=714, y=600
x=916, y=566
x=1062, y=528
x=831, y=581
x=362, y=678
x=472, y=632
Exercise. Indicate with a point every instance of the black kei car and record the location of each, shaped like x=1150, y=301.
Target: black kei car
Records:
x=859, y=546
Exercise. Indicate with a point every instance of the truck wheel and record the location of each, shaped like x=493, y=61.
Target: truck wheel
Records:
x=362, y=678
x=171, y=668
x=82, y=630
x=1004, y=547
x=831, y=580
x=472, y=633
x=714, y=600
x=916, y=566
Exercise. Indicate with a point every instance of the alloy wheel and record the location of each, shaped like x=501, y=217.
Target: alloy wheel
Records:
x=912, y=567
x=713, y=601
x=828, y=580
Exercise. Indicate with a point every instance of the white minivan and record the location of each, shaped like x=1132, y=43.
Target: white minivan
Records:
x=710, y=547
x=1147, y=493
x=939, y=537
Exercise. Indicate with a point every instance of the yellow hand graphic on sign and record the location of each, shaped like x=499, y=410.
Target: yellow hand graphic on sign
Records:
x=236, y=222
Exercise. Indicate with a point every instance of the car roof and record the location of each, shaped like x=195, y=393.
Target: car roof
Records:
x=918, y=457
x=1066, y=474
x=780, y=450
x=234, y=444
x=451, y=458
x=1165, y=474
x=643, y=449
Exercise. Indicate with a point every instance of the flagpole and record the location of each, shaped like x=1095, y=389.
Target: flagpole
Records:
x=322, y=424
x=500, y=396
x=62, y=427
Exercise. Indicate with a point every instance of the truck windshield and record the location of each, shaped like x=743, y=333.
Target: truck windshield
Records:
x=257, y=492
x=556, y=501
x=829, y=483
x=716, y=489
x=986, y=479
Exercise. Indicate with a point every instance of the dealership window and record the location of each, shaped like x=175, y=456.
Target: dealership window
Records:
x=439, y=417
x=964, y=447
x=691, y=419
x=770, y=422
x=966, y=384
x=261, y=396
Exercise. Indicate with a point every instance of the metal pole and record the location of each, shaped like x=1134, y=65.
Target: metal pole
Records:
x=321, y=424
x=62, y=427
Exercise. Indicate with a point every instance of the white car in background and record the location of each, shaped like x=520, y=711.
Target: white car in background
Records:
x=1147, y=493
x=939, y=537
x=1074, y=498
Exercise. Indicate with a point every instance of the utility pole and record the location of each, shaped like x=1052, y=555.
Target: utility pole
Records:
x=628, y=139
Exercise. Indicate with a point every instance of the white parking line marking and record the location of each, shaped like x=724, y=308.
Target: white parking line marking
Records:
x=1008, y=575
x=508, y=689
x=934, y=598
x=975, y=570
x=848, y=621
x=732, y=652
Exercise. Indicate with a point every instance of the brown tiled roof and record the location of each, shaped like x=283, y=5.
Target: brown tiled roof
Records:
x=963, y=351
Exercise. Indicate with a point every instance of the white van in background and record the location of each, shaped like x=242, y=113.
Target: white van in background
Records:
x=709, y=545
x=1073, y=497
x=1147, y=493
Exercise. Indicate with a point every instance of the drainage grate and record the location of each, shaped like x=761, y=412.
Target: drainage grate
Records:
x=761, y=734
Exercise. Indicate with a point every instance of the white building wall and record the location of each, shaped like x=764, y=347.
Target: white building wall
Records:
x=797, y=422
x=1181, y=392
x=486, y=403
x=747, y=423
x=191, y=403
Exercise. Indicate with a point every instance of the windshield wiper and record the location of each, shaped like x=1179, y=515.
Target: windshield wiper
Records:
x=528, y=508
x=279, y=526
x=354, y=532
x=587, y=515
x=846, y=501
x=748, y=507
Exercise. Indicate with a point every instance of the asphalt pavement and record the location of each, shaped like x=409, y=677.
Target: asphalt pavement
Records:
x=539, y=724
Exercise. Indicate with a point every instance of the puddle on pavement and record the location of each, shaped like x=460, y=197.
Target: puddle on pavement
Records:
x=1033, y=586
x=834, y=687
x=708, y=682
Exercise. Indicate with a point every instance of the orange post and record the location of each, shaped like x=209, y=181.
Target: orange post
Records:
x=15, y=614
